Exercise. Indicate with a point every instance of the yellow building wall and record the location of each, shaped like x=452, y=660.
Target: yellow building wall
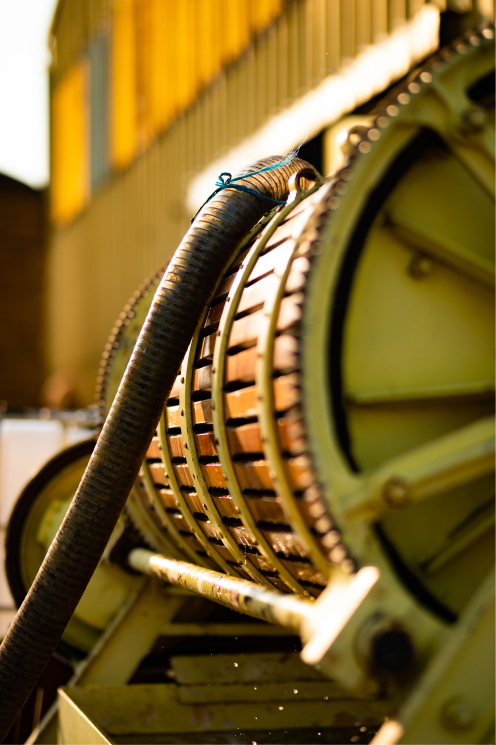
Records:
x=188, y=80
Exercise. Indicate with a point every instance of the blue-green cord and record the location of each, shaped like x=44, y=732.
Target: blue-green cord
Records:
x=226, y=181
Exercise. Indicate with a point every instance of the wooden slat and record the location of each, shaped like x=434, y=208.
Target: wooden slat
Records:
x=210, y=530
x=157, y=471
x=245, y=439
x=288, y=228
x=241, y=367
x=297, y=277
x=172, y=417
x=241, y=536
x=167, y=498
x=304, y=571
x=284, y=541
x=254, y=475
x=202, y=378
x=183, y=475
x=291, y=435
x=175, y=388
x=212, y=473
x=286, y=391
x=205, y=348
x=213, y=315
x=202, y=412
x=300, y=475
x=265, y=509
x=224, y=287
x=154, y=449
x=194, y=543
x=256, y=293
x=225, y=506
x=205, y=444
x=193, y=501
x=274, y=260
x=260, y=562
x=180, y=523
x=277, y=582
x=245, y=330
x=176, y=447
x=242, y=403
x=286, y=357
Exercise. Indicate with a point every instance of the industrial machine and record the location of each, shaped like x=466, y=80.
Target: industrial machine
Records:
x=324, y=462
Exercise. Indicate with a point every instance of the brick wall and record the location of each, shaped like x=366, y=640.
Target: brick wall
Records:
x=22, y=262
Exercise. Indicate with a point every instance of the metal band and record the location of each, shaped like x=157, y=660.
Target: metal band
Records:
x=190, y=451
x=218, y=371
x=152, y=494
x=267, y=414
x=183, y=506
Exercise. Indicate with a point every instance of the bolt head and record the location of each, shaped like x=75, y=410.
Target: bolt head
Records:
x=473, y=119
x=457, y=714
x=421, y=266
x=395, y=492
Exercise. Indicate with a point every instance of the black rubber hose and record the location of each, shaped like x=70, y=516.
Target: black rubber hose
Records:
x=176, y=309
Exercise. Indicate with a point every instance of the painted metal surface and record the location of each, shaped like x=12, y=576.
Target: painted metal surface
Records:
x=247, y=597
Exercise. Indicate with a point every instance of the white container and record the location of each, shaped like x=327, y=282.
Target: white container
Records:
x=25, y=446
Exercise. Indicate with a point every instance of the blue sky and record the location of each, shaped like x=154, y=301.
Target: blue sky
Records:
x=24, y=60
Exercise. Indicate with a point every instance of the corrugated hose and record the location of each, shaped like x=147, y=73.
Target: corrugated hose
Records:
x=180, y=300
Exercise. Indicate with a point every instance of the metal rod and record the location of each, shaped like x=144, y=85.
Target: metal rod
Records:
x=237, y=594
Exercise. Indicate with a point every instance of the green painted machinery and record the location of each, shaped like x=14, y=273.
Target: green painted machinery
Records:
x=324, y=463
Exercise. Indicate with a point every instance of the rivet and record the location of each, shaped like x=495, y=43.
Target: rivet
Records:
x=393, y=110
x=488, y=33
x=474, y=118
x=395, y=492
x=421, y=266
x=403, y=99
x=457, y=714
x=414, y=88
x=373, y=134
x=382, y=122
x=365, y=147
x=426, y=77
